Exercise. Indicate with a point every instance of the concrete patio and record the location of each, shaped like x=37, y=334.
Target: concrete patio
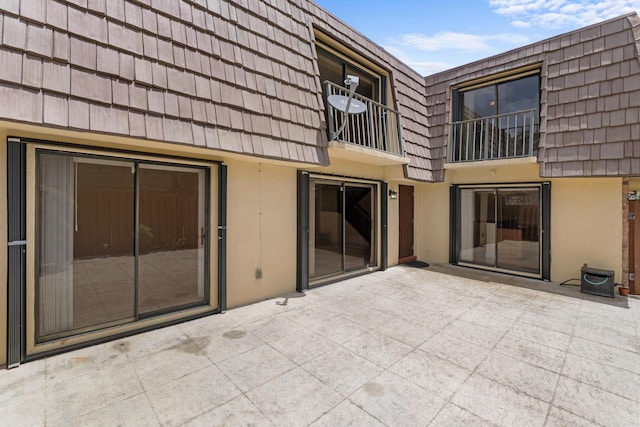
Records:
x=407, y=346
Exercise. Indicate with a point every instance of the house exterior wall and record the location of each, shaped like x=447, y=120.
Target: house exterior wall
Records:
x=261, y=231
x=230, y=81
x=589, y=127
x=230, y=76
x=237, y=82
x=576, y=205
x=575, y=239
x=590, y=98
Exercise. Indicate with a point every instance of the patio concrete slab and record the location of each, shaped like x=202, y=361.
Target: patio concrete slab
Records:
x=436, y=346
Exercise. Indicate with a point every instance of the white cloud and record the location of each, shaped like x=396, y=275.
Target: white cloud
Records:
x=444, y=40
x=457, y=41
x=561, y=13
x=429, y=54
x=423, y=67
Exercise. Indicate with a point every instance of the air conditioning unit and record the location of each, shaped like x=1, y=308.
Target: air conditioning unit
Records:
x=596, y=281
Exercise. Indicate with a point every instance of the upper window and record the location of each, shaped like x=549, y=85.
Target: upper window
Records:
x=496, y=120
x=495, y=99
x=335, y=67
x=379, y=128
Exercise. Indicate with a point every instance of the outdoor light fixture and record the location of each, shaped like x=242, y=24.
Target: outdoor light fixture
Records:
x=393, y=194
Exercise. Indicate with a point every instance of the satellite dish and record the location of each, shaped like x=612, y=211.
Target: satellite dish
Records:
x=339, y=102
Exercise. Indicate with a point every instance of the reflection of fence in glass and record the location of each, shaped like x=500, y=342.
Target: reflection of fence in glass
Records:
x=378, y=128
x=494, y=137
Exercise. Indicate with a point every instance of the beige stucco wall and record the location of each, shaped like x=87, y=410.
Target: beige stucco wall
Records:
x=586, y=217
x=586, y=226
x=431, y=242
x=261, y=232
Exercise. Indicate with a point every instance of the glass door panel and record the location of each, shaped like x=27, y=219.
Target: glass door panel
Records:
x=172, y=239
x=326, y=222
x=518, y=213
x=358, y=227
x=85, y=243
x=341, y=228
x=500, y=228
x=478, y=227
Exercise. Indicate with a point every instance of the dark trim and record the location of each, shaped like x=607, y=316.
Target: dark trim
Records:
x=455, y=104
x=384, y=222
x=136, y=241
x=302, y=238
x=546, y=230
x=16, y=261
x=499, y=184
x=314, y=174
x=222, y=237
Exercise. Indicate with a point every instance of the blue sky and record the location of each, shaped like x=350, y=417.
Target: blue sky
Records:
x=432, y=36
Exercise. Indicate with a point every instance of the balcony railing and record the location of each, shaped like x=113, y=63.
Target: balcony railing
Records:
x=495, y=137
x=378, y=128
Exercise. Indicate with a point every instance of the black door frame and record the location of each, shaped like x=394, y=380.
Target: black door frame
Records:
x=16, y=266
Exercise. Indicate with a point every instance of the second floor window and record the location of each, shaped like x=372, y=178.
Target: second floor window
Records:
x=495, y=120
x=336, y=68
x=376, y=126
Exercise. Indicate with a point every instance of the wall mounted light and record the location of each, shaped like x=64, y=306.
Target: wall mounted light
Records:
x=393, y=194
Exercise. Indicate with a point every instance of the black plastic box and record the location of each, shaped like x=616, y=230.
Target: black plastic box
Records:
x=597, y=282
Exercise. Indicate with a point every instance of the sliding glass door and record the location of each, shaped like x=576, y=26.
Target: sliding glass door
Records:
x=117, y=240
x=342, y=227
x=501, y=227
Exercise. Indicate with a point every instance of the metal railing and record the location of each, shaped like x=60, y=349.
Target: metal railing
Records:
x=495, y=137
x=378, y=128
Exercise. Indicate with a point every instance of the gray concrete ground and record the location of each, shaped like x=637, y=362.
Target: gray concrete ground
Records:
x=406, y=346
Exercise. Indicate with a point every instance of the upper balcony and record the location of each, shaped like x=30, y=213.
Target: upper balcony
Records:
x=378, y=128
x=503, y=136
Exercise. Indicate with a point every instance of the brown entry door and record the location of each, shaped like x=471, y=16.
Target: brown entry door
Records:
x=406, y=224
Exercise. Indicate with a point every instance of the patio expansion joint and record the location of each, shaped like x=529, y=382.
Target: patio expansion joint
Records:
x=564, y=361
